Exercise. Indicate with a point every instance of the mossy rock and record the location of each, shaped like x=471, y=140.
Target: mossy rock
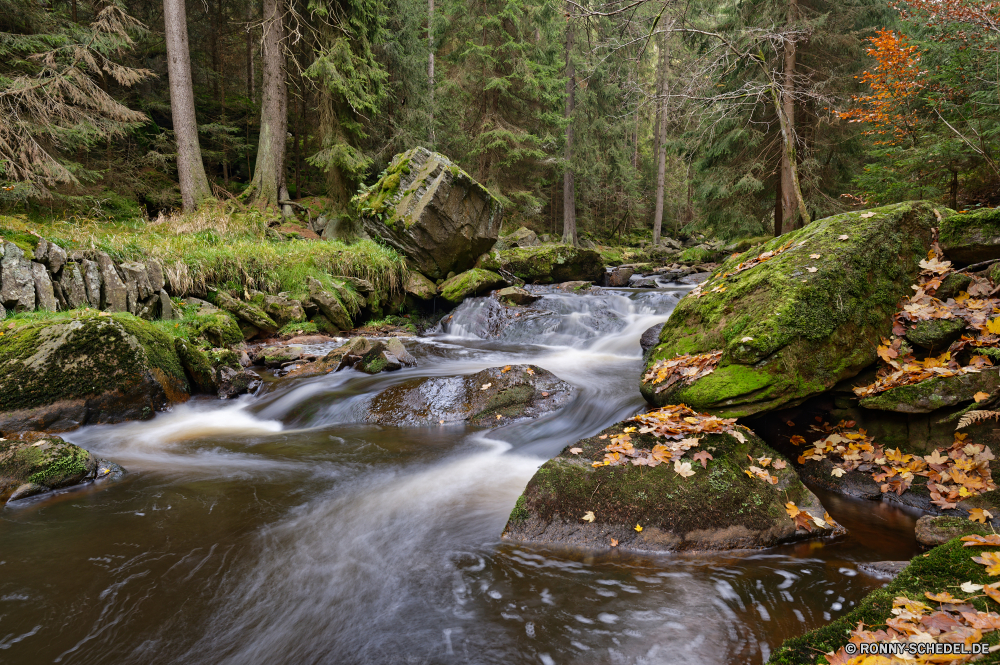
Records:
x=217, y=329
x=934, y=530
x=944, y=568
x=936, y=334
x=971, y=237
x=956, y=282
x=794, y=326
x=247, y=312
x=719, y=508
x=431, y=211
x=198, y=366
x=469, y=284
x=935, y=393
x=546, y=264
x=42, y=460
x=489, y=398
x=697, y=255
x=62, y=371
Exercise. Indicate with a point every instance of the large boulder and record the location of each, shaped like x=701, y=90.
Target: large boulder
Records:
x=971, y=237
x=329, y=304
x=431, y=211
x=246, y=311
x=546, y=264
x=469, y=284
x=489, y=398
x=793, y=318
x=738, y=500
x=32, y=463
x=419, y=286
x=936, y=392
x=58, y=373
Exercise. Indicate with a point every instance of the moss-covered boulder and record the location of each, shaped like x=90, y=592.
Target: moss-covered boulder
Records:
x=936, y=334
x=546, y=264
x=197, y=365
x=935, y=393
x=971, y=237
x=247, y=312
x=800, y=321
x=722, y=506
x=515, y=295
x=60, y=372
x=32, y=463
x=934, y=530
x=432, y=212
x=944, y=568
x=418, y=286
x=214, y=326
x=490, y=398
x=469, y=284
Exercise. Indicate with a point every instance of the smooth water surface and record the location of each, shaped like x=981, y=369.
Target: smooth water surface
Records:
x=281, y=529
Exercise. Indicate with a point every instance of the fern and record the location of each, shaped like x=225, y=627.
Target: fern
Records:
x=973, y=417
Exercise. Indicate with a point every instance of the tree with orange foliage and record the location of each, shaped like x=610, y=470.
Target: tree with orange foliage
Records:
x=896, y=83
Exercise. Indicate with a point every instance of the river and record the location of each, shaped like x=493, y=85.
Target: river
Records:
x=281, y=529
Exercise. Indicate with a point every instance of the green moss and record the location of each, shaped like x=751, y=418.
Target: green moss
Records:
x=694, y=255
x=806, y=322
x=219, y=329
x=470, y=283
x=76, y=354
x=547, y=264
x=197, y=364
x=298, y=328
x=520, y=511
x=942, y=569
x=71, y=464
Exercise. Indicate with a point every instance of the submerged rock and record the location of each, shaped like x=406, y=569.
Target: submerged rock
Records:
x=720, y=507
x=491, y=398
x=515, y=295
x=432, y=212
x=233, y=383
x=546, y=264
x=56, y=374
x=799, y=322
x=32, y=463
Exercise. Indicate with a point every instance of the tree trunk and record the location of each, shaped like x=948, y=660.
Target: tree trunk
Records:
x=569, y=193
x=661, y=144
x=250, y=72
x=269, y=173
x=793, y=209
x=190, y=169
x=430, y=71
x=778, y=203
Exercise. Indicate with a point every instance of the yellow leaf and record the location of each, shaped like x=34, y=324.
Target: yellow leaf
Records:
x=588, y=516
x=980, y=396
x=993, y=325
x=792, y=509
x=638, y=528
x=979, y=515
x=943, y=597
x=991, y=560
x=629, y=430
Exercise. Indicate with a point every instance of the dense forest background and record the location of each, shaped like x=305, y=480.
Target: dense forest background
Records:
x=607, y=120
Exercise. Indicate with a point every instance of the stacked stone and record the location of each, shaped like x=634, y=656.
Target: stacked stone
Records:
x=55, y=280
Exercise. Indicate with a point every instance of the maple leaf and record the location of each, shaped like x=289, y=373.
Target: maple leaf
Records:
x=814, y=256
x=811, y=269
x=976, y=540
x=991, y=560
x=837, y=471
x=576, y=451
x=993, y=591
x=764, y=461
x=530, y=371
x=993, y=326
x=780, y=464
x=684, y=470
x=614, y=543
x=981, y=396
x=943, y=597
x=843, y=237
x=738, y=435
x=979, y=515
x=969, y=587
x=629, y=430
x=506, y=368
x=797, y=440
x=868, y=215
x=703, y=456
x=936, y=458
x=804, y=521
x=603, y=436
x=638, y=528
x=792, y=509
x=588, y=516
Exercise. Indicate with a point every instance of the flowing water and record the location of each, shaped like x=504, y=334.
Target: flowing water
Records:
x=283, y=529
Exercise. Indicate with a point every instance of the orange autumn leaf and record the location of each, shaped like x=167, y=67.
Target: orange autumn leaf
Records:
x=977, y=540
x=991, y=560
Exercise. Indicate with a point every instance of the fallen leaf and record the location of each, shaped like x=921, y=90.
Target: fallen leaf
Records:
x=614, y=543
x=764, y=461
x=811, y=269
x=603, y=436
x=588, y=516
x=499, y=417
x=486, y=386
x=838, y=472
x=980, y=396
x=814, y=256
x=779, y=464
x=868, y=215
x=629, y=430
x=991, y=560
x=943, y=597
x=638, y=528
x=976, y=540
x=792, y=510
x=545, y=394
x=980, y=515
x=747, y=339
x=844, y=237
x=703, y=456
x=684, y=470
x=969, y=587
x=576, y=451
x=738, y=435
x=506, y=368
x=530, y=371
